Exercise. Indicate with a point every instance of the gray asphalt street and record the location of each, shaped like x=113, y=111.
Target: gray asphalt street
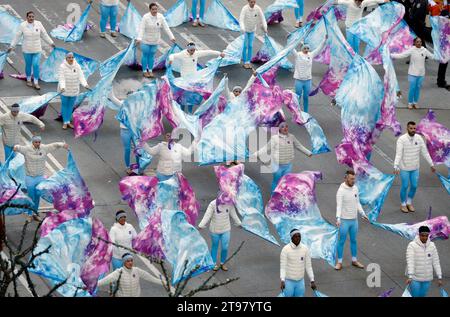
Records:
x=257, y=265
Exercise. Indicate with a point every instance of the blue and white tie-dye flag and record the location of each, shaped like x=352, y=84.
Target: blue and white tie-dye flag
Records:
x=270, y=49
x=66, y=246
x=190, y=122
x=273, y=12
x=294, y=205
x=360, y=95
x=50, y=67
x=184, y=247
x=31, y=104
x=67, y=190
x=9, y=25
x=14, y=168
x=139, y=113
x=441, y=37
x=443, y=292
x=373, y=188
x=75, y=33
x=162, y=61
x=3, y=56
x=219, y=16
x=131, y=19
x=177, y=14
x=88, y=118
x=233, y=53
x=445, y=182
x=319, y=294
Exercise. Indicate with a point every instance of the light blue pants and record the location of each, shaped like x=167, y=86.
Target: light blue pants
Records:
x=162, y=177
x=419, y=289
x=303, y=87
x=248, y=46
x=415, y=84
x=32, y=182
x=32, y=61
x=299, y=11
x=202, y=9
x=224, y=239
x=67, y=104
x=148, y=56
x=282, y=170
x=8, y=150
x=409, y=179
x=116, y=263
x=347, y=226
x=353, y=40
x=108, y=12
x=126, y=137
x=294, y=288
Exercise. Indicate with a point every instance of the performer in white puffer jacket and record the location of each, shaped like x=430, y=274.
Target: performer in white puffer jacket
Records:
x=69, y=78
x=121, y=233
x=127, y=278
x=421, y=259
x=31, y=31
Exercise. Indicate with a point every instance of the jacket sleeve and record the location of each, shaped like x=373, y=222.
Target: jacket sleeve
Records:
x=30, y=118
x=175, y=56
x=17, y=37
x=318, y=49
x=154, y=150
x=308, y=266
x=203, y=53
x=402, y=55
x=430, y=55
x=114, y=99
x=398, y=153
x=2, y=119
x=208, y=214
x=283, y=263
x=148, y=277
x=235, y=217
x=360, y=208
x=54, y=146
x=61, y=78
x=368, y=3
x=410, y=260
x=263, y=19
x=339, y=200
x=133, y=232
x=110, y=278
x=112, y=235
x=45, y=36
x=20, y=149
x=437, y=263
x=140, y=34
x=425, y=153
x=343, y=2
x=81, y=77
x=300, y=146
x=167, y=29
x=242, y=20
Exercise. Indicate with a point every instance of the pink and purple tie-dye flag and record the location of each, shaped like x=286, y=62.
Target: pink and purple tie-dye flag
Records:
x=67, y=190
x=437, y=138
x=150, y=240
x=188, y=201
x=98, y=256
x=441, y=37
x=294, y=205
x=55, y=219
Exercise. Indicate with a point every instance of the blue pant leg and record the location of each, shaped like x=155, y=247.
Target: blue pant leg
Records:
x=306, y=90
x=353, y=231
x=32, y=182
x=225, y=241
x=202, y=9
x=8, y=151
x=289, y=288
x=412, y=88
x=104, y=14
x=299, y=90
x=404, y=177
x=67, y=103
x=28, y=59
x=215, y=238
x=151, y=57
x=299, y=288
x=194, y=9
x=113, y=10
x=343, y=230
x=125, y=136
x=299, y=11
x=36, y=60
x=145, y=52
x=414, y=181
x=418, y=88
x=419, y=289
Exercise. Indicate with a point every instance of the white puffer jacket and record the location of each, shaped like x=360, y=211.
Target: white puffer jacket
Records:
x=32, y=34
x=188, y=63
x=294, y=260
x=354, y=13
x=421, y=259
x=70, y=77
x=110, y=3
x=11, y=126
x=150, y=29
x=122, y=235
x=129, y=283
x=251, y=17
x=219, y=217
x=170, y=160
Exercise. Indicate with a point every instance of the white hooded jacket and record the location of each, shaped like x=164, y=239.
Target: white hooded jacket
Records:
x=421, y=259
x=69, y=79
